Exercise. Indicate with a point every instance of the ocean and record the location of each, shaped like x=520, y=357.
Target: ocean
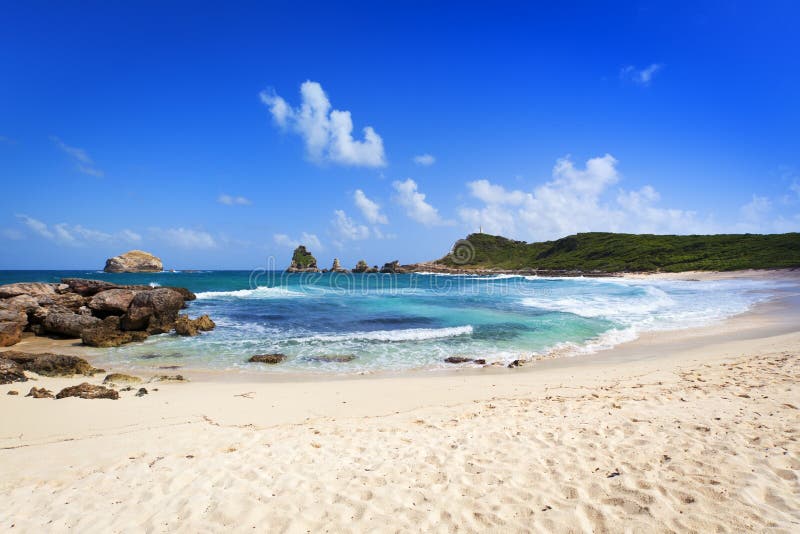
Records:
x=410, y=321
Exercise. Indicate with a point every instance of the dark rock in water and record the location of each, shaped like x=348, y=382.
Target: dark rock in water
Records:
x=303, y=261
x=40, y=393
x=88, y=391
x=394, y=267
x=11, y=371
x=12, y=392
x=458, y=359
x=120, y=378
x=169, y=367
x=192, y=327
x=480, y=361
x=141, y=393
x=331, y=358
x=154, y=311
x=267, y=358
x=108, y=334
x=48, y=364
x=112, y=301
x=516, y=363
x=134, y=261
x=68, y=324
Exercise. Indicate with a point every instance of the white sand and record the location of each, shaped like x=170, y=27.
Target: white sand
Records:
x=689, y=431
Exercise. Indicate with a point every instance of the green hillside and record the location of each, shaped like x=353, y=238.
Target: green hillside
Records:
x=609, y=252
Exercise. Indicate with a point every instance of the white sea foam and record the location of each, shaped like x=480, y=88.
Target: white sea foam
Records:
x=604, y=305
x=257, y=293
x=154, y=284
x=408, y=334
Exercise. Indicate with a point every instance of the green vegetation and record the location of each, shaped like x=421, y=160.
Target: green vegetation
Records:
x=303, y=259
x=608, y=252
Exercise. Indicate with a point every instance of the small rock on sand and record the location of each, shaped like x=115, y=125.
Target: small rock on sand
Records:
x=267, y=358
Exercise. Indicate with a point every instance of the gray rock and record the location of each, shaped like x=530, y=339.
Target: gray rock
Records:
x=68, y=324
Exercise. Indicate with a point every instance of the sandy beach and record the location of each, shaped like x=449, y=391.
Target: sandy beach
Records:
x=695, y=430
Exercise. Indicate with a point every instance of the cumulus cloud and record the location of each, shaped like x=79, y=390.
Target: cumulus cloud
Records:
x=414, y=202
x=82, y=160
x=425, y=160
x=327, y=132
x=75, y=234
x=346, y=229
x=369, y=208
x=185, y=237
x=311, y=241
x=574, y=200
x=641, y=77
x=230, y=200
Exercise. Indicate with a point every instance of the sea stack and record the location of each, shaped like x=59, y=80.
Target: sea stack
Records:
x=134, y=261
x=337, y=267
x=303, y=261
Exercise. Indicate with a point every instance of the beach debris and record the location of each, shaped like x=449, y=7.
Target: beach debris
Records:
x=120, y=378
x=248, y=395
x=48, y=364
x=142, y=392
x=331, y=358
x=11, y=371
x=267, y=358
x=40, y=393
x=88, y=391
x=184, y=326
x=12, y=392
x=614, y=473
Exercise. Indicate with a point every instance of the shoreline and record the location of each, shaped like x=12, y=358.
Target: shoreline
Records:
x=695, y=430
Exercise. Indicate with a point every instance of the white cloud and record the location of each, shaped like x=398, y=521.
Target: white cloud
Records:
x=346, y=229
x=311, y=241
x=414, y=202
x=641, y=77
x=573, y=201
x=328, y=133
x=185, y=238
x=425, y=160
x=229, y=200
x=76, y=234
x=83, y=161
x=370, y=208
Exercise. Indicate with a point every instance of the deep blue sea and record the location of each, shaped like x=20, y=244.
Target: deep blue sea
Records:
x=411, y=321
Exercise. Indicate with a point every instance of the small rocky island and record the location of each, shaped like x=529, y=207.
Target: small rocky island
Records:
x=100, y=313
x=303, y=261
x=134, y=261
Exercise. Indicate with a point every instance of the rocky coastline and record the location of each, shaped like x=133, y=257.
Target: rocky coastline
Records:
x=99, y=313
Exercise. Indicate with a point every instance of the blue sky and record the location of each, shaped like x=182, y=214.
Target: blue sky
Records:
x=218, y=136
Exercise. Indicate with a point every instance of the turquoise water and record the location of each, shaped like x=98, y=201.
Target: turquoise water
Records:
x=398, y=322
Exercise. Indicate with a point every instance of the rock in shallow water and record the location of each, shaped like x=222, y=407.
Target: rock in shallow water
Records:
x=192, y=327
x=88, y=391
x=120, y=378
x=267, y=358
x=331, y=358
x=134, y=261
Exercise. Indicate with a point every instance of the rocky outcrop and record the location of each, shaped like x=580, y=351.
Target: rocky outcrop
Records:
x=108, y=334
x=11, y=371
x=361, y=267
x=100, y=313
x=154, y=311
x=88, y=391
x=184, y=326
x=112, y=301
x=267, y=358
x=68, y=324
x=303, y=261
x=394, y=267
x=48, y=364
x=337, y=267
x=134, y=261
